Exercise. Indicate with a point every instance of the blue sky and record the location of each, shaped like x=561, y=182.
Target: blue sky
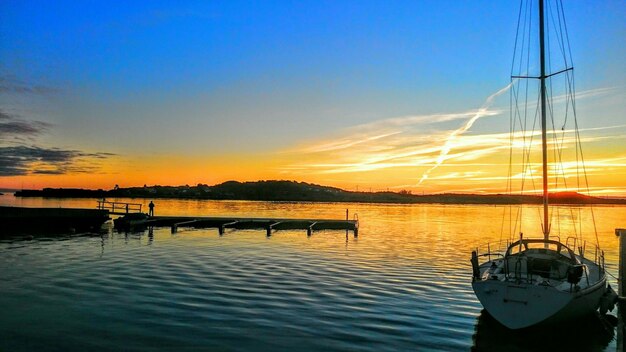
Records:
x=145, y=78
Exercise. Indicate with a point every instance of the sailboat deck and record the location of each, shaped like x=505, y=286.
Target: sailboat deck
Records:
x=555, y=276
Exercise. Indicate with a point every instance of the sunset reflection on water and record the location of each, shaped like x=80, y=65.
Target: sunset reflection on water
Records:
x=403, y=283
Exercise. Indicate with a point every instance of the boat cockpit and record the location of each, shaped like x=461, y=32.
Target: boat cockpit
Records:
x=538, y=261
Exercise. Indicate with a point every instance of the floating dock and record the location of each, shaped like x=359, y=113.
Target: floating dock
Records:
x=22, y=220
x=270, y=225
x=18, y=219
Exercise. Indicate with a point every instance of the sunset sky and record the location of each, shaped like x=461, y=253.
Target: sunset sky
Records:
x=370, y=94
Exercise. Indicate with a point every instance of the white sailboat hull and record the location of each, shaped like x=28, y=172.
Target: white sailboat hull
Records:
x=518, y=306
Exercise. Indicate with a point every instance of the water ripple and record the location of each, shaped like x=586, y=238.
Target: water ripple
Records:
x=400, y=290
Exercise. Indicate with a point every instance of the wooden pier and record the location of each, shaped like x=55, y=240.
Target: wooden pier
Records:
x=269, y=225
x=119, y=208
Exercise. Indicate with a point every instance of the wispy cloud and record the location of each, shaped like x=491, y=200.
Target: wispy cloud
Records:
x=417, y=145
x=403, y=149
x=346, y=143
x=596, y=92
x=24, y=160
x=11, y=126
x=445, y=149
x=10, y=84
x=19, y=157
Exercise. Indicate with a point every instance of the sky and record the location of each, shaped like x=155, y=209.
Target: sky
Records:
x=367, y=95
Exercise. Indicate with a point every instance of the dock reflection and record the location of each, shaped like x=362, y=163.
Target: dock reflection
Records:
x=593, y=333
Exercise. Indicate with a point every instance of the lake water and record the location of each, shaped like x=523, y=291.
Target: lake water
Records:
x=402, y=285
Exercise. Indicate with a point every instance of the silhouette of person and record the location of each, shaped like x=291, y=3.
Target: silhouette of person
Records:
x=151, y=206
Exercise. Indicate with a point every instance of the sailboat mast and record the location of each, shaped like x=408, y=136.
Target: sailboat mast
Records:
x=544, y=142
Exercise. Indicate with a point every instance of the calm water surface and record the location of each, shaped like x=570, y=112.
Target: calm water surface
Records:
x=402, y=285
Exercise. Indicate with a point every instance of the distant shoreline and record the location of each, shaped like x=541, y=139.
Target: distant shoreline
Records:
x=306, y=192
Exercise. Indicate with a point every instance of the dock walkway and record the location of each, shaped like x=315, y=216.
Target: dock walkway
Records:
x=133, y=221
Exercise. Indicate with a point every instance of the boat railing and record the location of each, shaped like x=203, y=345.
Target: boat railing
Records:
x=493, y=249
x=598, y=255
x=497, y=249
x=571, y=242
x=586, y=271
x=555, y=238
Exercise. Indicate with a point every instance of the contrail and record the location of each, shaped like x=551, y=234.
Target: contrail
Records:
x=448, y=145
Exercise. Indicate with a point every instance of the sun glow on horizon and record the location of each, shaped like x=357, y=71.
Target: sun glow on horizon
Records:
x=413, y=153
x=326, y=93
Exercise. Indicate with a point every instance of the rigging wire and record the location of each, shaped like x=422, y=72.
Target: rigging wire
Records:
x=511, y=119
x=520, y=127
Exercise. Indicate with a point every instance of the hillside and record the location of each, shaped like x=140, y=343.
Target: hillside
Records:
x=305, y=192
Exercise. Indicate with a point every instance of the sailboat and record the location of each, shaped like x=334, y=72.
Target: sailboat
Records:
x=537, y=281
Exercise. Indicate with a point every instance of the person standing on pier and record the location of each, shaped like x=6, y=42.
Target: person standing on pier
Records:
x=151, y=206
